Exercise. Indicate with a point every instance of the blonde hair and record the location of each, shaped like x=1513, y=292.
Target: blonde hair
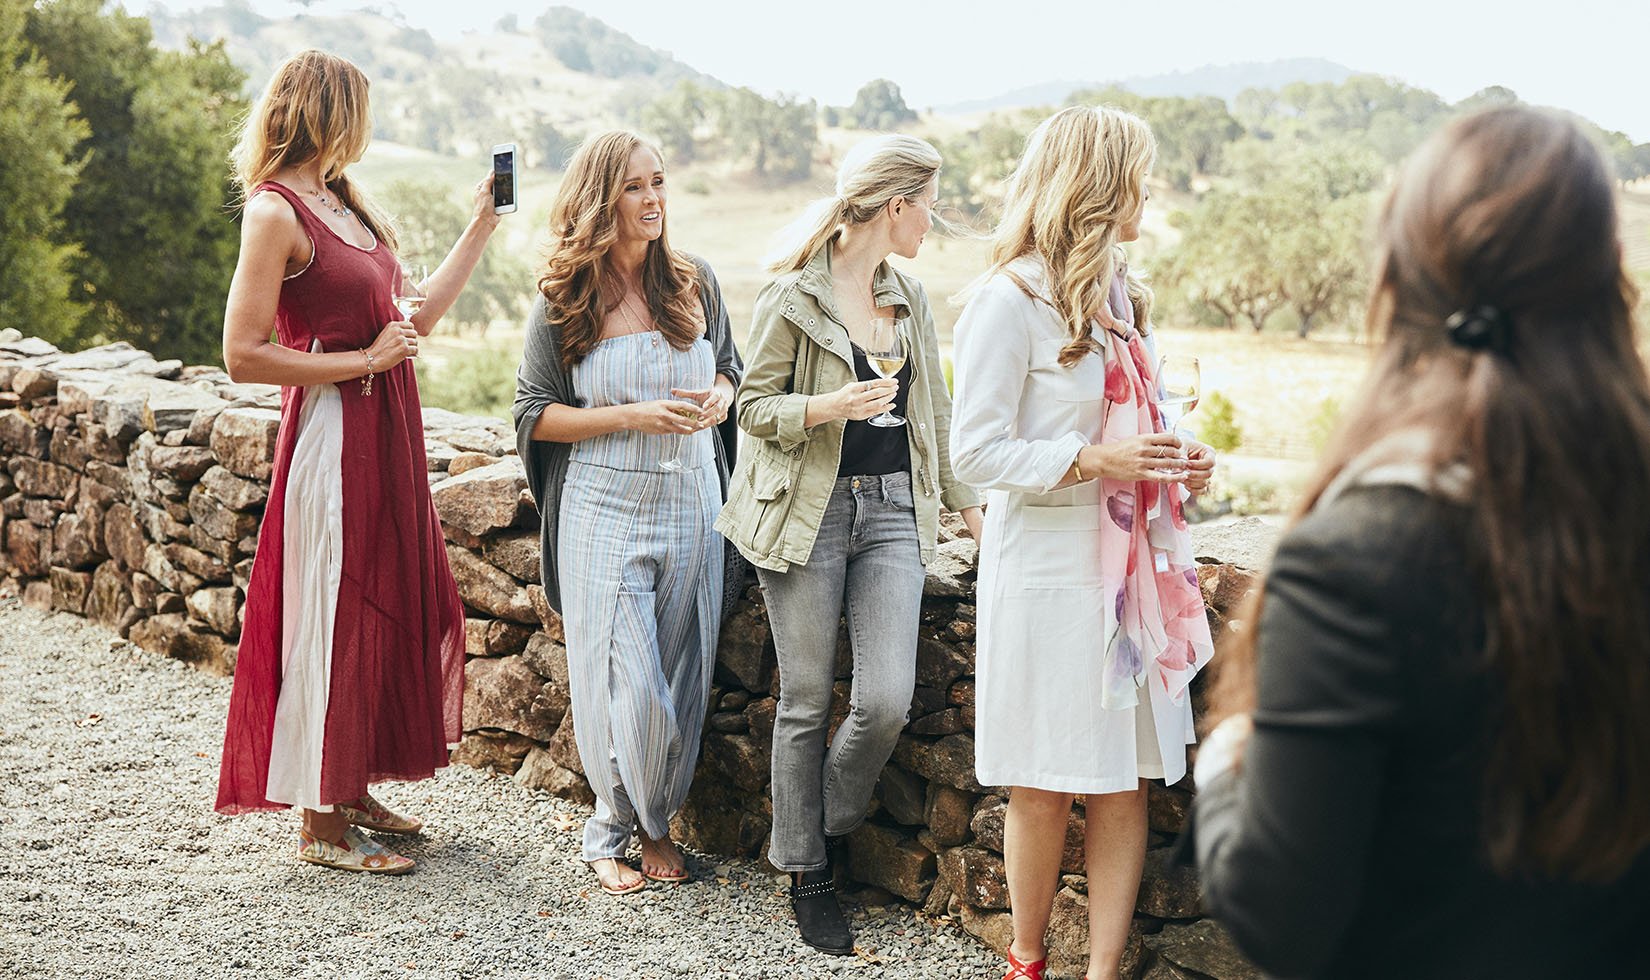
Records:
x=1082, y=175
x=577, y=286
x=314, y=109
x=874, y=172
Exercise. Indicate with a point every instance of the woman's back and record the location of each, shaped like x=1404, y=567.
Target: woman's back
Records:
x=1355, y=849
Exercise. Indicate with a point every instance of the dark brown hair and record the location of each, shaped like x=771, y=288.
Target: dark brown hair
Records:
x=576, y=283
x=1514, y=208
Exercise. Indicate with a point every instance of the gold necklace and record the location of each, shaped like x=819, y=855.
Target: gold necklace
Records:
x=638, y=324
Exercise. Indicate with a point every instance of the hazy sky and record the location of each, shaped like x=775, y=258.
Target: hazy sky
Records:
x=1575, y=54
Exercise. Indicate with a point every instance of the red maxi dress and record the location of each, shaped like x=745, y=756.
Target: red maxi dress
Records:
x=365, y=663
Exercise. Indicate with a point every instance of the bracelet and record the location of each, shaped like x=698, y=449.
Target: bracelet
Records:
x=366, y=383
x=1077, y=465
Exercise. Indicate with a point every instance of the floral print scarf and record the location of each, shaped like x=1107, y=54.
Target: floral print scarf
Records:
x=1160, y=633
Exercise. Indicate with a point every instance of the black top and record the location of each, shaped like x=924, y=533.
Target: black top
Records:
x=1348, y=844
x=872, y=450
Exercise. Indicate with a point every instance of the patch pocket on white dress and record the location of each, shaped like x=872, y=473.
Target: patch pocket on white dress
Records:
x=1061, y=547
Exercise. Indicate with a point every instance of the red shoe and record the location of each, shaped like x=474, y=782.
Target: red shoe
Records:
x=1024, y=971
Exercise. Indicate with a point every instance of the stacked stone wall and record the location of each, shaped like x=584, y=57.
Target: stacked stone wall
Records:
x=131, y=492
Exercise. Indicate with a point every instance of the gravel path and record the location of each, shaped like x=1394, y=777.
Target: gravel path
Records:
x=112, y=863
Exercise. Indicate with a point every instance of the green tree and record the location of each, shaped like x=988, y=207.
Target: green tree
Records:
x=978, y=162
x=549, y=146
x=37, y=173
x=778, y=136
x=675, y=119
x=1289, y=234
x=879, y=105
x=428, y=222
x=1191, y=132
x=1222, y=261
x=157, y=242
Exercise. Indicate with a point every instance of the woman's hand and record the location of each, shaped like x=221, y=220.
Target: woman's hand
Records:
x=484, y=214
x=1223, y=749
x=713, y=403
x=1200, y=466
x=859, y=400
x=974, y=518
x=665, y=417
x=396, y=342
x=1155, y=457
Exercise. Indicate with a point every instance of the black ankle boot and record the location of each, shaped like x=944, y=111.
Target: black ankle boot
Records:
x=836, y=860
x=818, y=914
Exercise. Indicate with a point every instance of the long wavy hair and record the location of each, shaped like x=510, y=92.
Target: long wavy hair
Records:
x=314, y=109
x=1083, y=174
x=873, y=173
x=578, y=286
x=1514, y=208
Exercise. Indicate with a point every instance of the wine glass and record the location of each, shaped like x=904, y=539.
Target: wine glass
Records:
x=1178, y=383
x=674, y=463
x=409, y=289
x=886, y=354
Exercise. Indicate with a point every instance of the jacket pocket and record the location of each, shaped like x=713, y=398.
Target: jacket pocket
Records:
x=771, y=491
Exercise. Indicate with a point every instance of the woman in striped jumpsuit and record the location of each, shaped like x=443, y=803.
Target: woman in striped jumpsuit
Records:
x=629, y=366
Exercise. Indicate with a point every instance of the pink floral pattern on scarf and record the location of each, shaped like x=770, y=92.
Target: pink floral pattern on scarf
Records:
x=1159, y=630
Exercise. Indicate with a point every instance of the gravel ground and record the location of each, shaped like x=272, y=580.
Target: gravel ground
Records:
x=112, y=863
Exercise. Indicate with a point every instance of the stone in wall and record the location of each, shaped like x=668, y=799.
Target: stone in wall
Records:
x=891, y=860
x=484, y=500
x=489, y=589
x=504, y=693
x=243, y=441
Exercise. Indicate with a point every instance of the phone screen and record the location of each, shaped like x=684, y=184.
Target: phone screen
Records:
x=504, y=179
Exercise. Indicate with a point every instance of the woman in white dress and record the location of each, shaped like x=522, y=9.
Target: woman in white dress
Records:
x=1091, y=623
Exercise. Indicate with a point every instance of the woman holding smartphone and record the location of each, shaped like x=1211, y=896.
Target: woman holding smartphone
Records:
x=839, y=513
x=351, y=662
x=629, y=367
x=1090, y=620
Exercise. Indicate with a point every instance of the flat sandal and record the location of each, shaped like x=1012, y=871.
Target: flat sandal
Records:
x=379, y=818
x=356, y=852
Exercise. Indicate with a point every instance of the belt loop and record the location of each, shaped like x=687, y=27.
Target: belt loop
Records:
x=883, y=483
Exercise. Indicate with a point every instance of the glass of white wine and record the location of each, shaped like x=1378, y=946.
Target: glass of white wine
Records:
x=674, y=463
x=1178, y=382
x=886, y=354
x=409, y=289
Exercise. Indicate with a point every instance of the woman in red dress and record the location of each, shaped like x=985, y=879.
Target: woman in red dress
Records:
x=351, y=663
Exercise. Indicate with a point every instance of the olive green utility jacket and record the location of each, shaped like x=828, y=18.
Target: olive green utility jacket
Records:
x=786, y=472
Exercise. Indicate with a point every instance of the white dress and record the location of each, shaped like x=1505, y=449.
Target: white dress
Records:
x=1017, y=422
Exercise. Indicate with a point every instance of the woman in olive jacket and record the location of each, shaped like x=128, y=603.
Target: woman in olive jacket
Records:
x=837, y=513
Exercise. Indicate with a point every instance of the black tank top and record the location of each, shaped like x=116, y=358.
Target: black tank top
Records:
x=873, y=450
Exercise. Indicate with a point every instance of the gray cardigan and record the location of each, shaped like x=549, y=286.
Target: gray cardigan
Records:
x=542, y=382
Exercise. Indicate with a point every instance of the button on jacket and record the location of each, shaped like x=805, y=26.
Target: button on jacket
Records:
x=800, y=348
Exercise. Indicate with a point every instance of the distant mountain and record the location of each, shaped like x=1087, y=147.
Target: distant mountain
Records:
x=561, y=75
x=1225, y=81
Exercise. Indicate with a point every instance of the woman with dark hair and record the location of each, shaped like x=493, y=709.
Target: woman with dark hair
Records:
x=351, y=663
x=629, y=367
x=1435, y=757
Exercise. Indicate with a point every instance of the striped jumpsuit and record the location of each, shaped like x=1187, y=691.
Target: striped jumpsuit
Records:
x=641, y=592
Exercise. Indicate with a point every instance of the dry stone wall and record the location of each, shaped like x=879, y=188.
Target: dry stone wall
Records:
x=131, y=493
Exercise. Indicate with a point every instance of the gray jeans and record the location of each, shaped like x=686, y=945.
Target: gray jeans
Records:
x=867, y=555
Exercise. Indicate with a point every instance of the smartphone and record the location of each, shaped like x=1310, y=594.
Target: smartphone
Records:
x=504, y=178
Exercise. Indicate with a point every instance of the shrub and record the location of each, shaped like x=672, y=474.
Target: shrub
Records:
x=1219, y=426
x=476, y=382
